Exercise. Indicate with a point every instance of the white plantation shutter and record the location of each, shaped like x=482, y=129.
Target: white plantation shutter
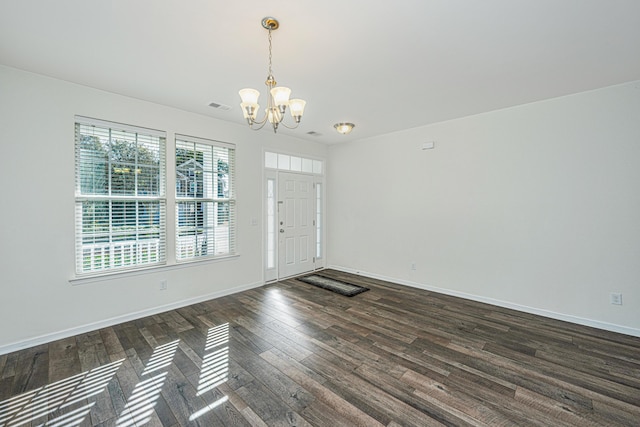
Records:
x=205, y=198
x=120, y=211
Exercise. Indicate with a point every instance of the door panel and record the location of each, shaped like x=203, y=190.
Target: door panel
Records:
x=304, y=248
x=295, y=223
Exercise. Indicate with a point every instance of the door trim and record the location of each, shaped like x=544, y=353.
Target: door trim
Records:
x=272, y=273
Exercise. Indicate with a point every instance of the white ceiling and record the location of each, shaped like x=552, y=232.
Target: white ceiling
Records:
x=384, y=66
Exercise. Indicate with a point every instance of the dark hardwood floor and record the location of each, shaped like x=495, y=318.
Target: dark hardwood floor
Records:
x=290, y=354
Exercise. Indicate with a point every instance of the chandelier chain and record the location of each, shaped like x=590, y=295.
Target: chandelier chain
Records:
x=270, y=72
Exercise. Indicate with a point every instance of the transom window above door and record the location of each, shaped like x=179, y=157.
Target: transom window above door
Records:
x=285, y=162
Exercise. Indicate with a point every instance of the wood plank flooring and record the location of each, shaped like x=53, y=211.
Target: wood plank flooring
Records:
x=290, y=354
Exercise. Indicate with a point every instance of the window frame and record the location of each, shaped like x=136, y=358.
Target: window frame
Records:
x=117, y=254
x=212, y=217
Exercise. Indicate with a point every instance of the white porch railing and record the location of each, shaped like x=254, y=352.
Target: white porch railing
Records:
x=129, y=253
x=106, y=256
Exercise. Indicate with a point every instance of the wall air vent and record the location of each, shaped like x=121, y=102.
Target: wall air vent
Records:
x=220, y=106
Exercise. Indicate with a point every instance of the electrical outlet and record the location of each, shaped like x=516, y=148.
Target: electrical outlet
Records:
x=163, y=285
x=615, y=298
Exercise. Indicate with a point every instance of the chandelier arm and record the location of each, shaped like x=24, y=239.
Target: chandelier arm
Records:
x=289, y=127
x=261, y=123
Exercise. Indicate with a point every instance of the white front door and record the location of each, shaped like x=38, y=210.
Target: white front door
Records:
x=296, y=230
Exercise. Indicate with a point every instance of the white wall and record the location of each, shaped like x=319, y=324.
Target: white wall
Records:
x=37, y=301
x=535, y=207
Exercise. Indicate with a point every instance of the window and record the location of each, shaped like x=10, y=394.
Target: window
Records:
x=120, y=201
x=271, y=223
x=205, y=199
x=286, y=162
x=319, y=225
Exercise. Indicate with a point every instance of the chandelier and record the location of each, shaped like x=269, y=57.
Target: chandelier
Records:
x=277, y=96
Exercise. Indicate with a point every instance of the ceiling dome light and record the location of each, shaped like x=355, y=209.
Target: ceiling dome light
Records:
x=344, y=128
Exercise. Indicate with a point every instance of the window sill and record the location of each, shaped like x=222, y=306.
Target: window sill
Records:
x=81, y=280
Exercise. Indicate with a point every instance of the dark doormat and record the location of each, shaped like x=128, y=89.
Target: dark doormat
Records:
x=337, y=286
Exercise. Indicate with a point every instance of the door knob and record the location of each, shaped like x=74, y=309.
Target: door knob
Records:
x=282, y=230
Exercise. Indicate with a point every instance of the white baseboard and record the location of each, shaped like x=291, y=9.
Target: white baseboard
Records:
x=43, y=339
x=531, y=310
